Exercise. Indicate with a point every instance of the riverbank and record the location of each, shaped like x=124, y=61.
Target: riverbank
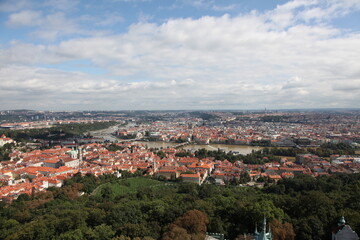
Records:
x=239, y=149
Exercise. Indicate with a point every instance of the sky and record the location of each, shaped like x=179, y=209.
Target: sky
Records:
x=179, y=54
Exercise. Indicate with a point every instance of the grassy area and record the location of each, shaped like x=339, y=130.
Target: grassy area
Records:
x=357, y=152
x=127, y=186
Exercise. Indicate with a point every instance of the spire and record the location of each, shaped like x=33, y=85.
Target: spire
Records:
x=263, y=234
x=342, y=221
x=269, y=233
x=264, y=225
x=256, y=231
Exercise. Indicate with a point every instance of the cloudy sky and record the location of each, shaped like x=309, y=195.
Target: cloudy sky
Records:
x=179, y=54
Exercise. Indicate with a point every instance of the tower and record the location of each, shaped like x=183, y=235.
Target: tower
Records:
x=344, y=232
x=263, y=235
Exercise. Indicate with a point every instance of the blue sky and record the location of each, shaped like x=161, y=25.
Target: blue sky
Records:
x=181, y=54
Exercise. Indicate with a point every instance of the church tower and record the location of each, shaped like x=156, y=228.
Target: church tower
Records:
x=344, y=232
x=263, y=235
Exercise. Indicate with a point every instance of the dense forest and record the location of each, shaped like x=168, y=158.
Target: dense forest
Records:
x=141, y=208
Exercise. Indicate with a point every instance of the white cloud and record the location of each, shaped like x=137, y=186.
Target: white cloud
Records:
x=10, y=5
x=143, y=18
x=25, y=18
x=248, y=61
x=55, y=25
x=34, y=87
x=224, y=8
x=294, y=82
x=109, y=20
x=329, y=9
x=62, y=4
x=199, y=3
x=134, y=1
x=350, y=85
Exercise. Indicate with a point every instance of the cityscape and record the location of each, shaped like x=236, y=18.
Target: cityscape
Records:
x=297, y=134
x=179, y=120
x=246, y=149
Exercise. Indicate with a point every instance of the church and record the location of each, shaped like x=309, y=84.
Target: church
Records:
x=344, y=232
x=263, y=235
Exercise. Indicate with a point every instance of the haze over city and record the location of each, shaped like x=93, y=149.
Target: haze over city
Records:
x=182, y=54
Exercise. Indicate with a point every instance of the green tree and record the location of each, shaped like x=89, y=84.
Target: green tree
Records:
x=133, y=230
x=244, y=177
x=72, y=235
x=103, y=232
x=161, y=154
x=107, y=193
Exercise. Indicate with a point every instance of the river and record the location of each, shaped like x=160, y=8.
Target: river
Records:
x=241, y=149
x=106, y=133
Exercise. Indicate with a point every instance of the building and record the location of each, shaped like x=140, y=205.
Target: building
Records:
x=214, y=236
x=169, y=173
x=53, y=163
x=192, y=177
x=263, y=235
x=344, y=232
x=4, y=140
x=71, y=162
